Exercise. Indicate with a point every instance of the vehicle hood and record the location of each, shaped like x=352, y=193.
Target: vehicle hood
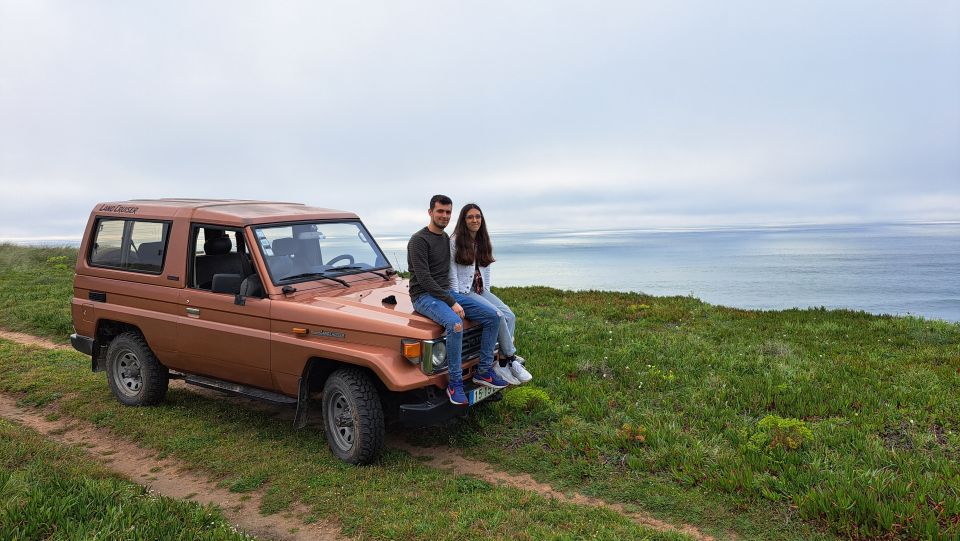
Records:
x=365, y=309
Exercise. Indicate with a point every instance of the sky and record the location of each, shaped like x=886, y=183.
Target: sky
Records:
x=551, y=115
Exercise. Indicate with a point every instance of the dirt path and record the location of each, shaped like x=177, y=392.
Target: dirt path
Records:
x=170, y=477
x=450, y=460
x=441, y=457
x=30, y=340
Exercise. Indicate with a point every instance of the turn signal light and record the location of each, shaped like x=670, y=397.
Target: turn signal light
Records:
x=300, y=330
x=411, y=350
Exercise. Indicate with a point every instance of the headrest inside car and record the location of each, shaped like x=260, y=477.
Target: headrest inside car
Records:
x=217, y=246
x=284, y=246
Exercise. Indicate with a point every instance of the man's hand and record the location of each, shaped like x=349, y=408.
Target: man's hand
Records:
x=457, y=309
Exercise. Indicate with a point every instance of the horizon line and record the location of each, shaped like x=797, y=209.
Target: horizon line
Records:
x=652, y=229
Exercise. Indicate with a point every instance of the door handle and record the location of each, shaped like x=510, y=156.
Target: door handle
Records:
x=193, y=312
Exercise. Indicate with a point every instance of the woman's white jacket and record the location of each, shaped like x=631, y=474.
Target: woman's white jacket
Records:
x=461, y=276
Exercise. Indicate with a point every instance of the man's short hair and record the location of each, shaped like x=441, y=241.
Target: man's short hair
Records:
x=442, y=199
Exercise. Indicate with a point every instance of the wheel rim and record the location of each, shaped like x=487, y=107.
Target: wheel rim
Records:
x=340, y=421
x=127, y=374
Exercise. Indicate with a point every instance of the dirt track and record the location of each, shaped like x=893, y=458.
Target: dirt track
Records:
x=174, y=481
x=170, y=477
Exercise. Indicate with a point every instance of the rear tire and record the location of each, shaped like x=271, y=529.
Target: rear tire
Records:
x=134, y=374
x=353, y=416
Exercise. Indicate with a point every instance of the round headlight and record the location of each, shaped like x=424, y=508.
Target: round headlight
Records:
x=439, y=354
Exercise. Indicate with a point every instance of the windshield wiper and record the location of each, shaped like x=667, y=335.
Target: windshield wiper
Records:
x=315, y=275
x=344, y=267
x=385, y=276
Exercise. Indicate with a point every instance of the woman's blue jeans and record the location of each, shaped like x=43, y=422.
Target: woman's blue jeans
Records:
x=508, y=321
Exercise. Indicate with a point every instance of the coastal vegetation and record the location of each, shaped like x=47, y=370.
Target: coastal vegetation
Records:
x=796, y=424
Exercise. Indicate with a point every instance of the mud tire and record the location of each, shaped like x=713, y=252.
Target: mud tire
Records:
x=353, y=416
x=134, y=374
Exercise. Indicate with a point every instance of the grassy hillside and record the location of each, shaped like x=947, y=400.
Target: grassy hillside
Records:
x=788, y=424
x=35, y=289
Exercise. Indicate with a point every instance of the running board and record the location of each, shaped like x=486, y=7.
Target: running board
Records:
x=242, y=390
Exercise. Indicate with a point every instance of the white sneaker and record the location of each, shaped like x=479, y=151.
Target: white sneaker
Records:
x=518, y=371
x=504, y=372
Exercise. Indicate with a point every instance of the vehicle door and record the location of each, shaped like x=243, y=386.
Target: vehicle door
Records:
x=221, y=334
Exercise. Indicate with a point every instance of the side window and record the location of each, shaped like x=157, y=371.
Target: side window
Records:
x=219, y=263
x=107, y=243
x=148, y=240
x=134, y=245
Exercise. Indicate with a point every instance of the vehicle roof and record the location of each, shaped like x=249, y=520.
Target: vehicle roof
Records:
x=232, y=211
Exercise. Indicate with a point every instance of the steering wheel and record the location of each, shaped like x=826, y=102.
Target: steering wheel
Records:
x=345, y=257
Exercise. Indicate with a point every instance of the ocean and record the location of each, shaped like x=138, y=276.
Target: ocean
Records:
x=882, y=269
x=901, y=269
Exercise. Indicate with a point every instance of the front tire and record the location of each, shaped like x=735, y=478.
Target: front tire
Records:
x=134, y=374
x=353, y=416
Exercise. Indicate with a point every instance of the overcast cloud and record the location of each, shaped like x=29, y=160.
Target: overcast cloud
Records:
x=548, y=114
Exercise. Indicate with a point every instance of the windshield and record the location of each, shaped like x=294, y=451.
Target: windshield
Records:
x=314, y=250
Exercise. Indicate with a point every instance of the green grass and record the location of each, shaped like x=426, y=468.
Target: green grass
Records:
x=48, y=491
x=34, y=282
x=870, y=402
x=247, y=449
x=798, y=424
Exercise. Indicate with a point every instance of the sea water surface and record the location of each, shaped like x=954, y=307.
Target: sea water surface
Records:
x=902, y=269
x=883, y=269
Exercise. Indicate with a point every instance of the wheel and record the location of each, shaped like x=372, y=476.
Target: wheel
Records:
x=353, y=416
x=345, y=257
x=134, y=374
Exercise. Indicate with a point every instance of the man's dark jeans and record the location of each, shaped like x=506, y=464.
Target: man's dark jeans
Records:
x=438, y=311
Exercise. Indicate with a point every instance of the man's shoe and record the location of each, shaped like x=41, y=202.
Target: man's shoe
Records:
x=489, y=379
x=505, y=374
x=518, y=371
x=456, y=395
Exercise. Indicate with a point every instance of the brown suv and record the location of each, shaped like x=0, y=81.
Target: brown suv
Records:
x=276, y=301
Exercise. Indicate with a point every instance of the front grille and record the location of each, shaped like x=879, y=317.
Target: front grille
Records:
x=471, y=342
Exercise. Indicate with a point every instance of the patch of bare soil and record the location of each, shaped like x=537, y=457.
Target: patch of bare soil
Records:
x=170, y=477
x=442, y=457
x=30, y=340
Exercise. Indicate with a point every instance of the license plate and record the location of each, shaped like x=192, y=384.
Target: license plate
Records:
x=480, y=393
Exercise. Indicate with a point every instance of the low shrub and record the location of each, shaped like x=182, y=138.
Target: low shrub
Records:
x=774, y=432
x=527, y=398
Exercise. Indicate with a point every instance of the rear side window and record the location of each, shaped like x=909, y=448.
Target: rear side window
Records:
x=133, y=245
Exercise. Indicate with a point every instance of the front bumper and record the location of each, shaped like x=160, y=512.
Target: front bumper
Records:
x=83, y=344
x=438, y=409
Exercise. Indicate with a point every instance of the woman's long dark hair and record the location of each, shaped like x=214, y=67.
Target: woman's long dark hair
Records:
x=481, y=248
